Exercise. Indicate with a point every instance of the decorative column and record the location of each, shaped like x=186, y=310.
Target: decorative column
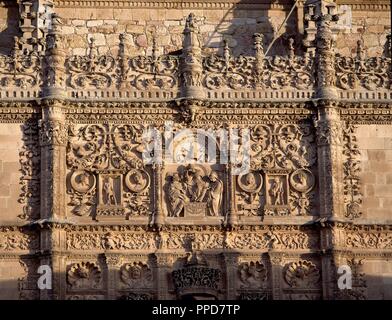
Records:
x=34, y=23
x=232, y=217
x=53, y=141
x=158, y=215
x=329, y=133
x=191, y=61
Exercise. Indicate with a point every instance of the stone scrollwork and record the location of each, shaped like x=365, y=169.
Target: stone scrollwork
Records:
x=91, y=70
x=361, y=72
x=29, y=160
x=21, y=69
x=351, y=167
x=276, y=73
x=107, y=175
x=285, y=154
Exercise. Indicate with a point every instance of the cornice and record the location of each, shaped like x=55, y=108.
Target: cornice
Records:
x=358, y=5
x=172, y=4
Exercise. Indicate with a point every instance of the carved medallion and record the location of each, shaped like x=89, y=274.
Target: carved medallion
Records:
x=82, y=181
x=137, y=180
x=302, y=180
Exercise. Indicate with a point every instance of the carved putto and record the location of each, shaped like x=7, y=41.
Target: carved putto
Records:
x=84, y=275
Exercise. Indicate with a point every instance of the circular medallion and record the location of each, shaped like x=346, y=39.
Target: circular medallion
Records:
x=250, y=182
x=137, y=180
x=82, y=181
x=302, y=180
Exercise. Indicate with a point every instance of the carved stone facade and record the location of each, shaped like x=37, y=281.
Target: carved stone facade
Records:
x=84, y=84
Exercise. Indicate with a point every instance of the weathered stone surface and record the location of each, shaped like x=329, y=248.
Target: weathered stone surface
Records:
x=78, y=96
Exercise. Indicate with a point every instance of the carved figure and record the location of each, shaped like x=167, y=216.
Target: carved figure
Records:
x=214, y=194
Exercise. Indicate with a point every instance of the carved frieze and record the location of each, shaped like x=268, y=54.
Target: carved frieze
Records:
x=106, y=172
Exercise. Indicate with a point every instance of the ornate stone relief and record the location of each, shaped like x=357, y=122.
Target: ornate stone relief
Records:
x=302, y=274
x=363, y=73
x=84, y=275
x=359, y=286
x=21, y=69
x=194, y=191
x=252, y=275
x=275, y=73
x=15, y=239
x=136, y=275
x=30, y=160
x=282, y=180
x=106, y=172
x=351, y=167
x=197, y=277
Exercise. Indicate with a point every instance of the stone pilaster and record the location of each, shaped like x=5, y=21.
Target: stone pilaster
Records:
x=113, y=264
x=158, y=214
x=231, y=263
x=162, y=269
x=276, y=261
x=232, y=216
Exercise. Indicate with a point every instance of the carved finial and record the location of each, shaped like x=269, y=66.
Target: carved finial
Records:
x=258, y=43
x=122, y=38
x=291, y=48
x=16, y=45
x=57, y=22
x=191, y=23
x=191, y=60
x=226, y=53
x=154, y=49
x=360, y=50
x=92, y=48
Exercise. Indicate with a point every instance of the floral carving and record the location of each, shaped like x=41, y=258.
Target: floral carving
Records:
x=10, y=241
x=30, y=159
x=351, y=167
x=362, y=73
x=20, y=69
x=91, y=70
x=277, y=72
x=83, y=275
